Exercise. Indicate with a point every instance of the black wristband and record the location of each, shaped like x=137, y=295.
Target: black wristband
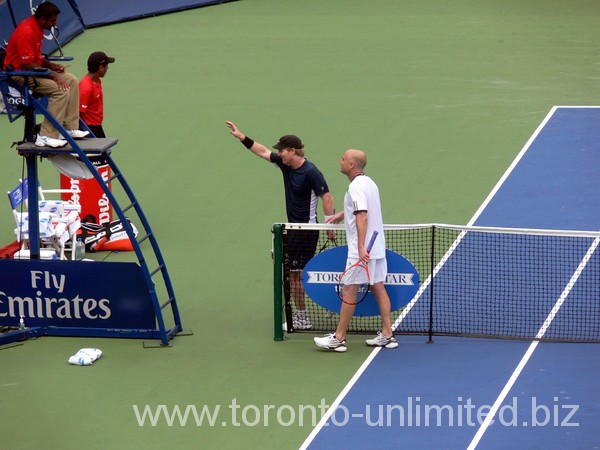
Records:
x=247, y=142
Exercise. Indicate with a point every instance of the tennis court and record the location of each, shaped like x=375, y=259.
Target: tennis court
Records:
x=442, y=95
x=473, y=393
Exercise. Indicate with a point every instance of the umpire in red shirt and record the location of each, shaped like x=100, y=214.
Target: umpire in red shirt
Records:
x=24, y=52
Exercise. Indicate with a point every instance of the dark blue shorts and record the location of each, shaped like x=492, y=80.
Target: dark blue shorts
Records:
x=301, y=246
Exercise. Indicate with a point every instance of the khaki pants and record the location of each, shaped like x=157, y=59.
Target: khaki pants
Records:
x=63, y=105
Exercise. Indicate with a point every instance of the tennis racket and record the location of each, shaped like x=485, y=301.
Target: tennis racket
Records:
x=357, y=274
x=328, y=243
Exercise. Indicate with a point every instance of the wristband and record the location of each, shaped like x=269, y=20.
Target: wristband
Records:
x=247, y=142
x=327, y=218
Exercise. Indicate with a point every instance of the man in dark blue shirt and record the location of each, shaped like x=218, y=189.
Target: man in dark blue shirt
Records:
x=303, y=184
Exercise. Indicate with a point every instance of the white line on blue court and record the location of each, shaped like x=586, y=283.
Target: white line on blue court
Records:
x=512, y=166
x=492, y=413
x=406, y=310
x=339, y=399
x=531, y=348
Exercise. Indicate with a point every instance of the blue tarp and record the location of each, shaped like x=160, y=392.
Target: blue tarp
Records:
x=95, y=13
x=14, y=11
x=76, y=15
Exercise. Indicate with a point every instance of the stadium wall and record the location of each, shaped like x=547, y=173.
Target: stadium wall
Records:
x=14, y=11
x=76, y=15
x=95, y=13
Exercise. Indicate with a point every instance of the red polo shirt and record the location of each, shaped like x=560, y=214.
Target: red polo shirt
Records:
x=91, y=101
x=25, y=45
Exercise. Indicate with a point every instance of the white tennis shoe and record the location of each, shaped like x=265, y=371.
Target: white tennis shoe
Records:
x=47, y=141
x=382, y=341
x=330, y=342
x=300, y=322
x=76, y=134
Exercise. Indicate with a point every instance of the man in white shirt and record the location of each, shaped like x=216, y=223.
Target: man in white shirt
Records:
x=362, y=216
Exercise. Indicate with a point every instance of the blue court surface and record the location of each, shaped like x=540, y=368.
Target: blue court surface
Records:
x=459, y=393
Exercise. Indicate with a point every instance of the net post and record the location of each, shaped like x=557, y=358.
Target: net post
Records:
x=431, y=270
x=277, y=281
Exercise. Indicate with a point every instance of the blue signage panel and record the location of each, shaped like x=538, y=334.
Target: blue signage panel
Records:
x=75, y=294
x=6, y=23
x=96, y=12
x=12, y=12
x=321, y=274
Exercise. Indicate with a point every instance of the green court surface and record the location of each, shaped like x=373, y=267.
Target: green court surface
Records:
x=442, y=95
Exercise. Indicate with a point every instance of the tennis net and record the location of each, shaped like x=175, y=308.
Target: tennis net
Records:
x=473, y=281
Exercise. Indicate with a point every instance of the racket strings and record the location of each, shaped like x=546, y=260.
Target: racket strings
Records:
x=328, y=243
x=358, y=277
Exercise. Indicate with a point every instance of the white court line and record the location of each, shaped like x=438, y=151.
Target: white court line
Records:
x=339, y=399
x=370, y=358
x=486, y=423
x=542, y=331
x=512, y=166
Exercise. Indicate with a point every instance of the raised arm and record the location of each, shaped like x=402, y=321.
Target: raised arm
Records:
x=255, y=147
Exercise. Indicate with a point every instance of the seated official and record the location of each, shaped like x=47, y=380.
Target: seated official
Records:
x=24, y=52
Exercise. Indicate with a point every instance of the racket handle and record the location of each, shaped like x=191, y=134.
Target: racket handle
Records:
x=372, y=241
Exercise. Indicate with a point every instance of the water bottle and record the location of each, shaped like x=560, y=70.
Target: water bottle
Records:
x=22, y=323
x=79, y=249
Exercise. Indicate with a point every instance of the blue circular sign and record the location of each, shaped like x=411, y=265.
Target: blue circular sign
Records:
x=321, y=274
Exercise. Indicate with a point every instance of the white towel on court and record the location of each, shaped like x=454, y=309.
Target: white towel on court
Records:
x=85, y=356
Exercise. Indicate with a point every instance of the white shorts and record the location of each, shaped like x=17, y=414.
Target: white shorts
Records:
x=377, y=270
